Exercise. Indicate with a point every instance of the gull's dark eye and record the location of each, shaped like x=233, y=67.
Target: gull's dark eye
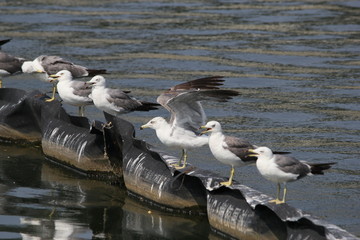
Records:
x=213, y=126
x=152, y=122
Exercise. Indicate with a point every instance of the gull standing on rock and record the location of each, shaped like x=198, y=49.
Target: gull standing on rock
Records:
x=115, y=101
x=45, y=66
x=229, y=150
x=72, y=92
x=283, y=169
x=183, y=101
x=9, y=64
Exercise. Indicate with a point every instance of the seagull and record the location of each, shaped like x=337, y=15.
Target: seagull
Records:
x=9, y=64
x=72, y=92
x=229, y=150
x=283, y=169
x=46, y=65
x=183, y=101
x=115, y=101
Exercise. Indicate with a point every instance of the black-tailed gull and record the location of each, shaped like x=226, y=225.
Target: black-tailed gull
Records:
x=113, y=100
x=183, y=101
x=228, y=150
x=72, y=92
x=47, y=65
x=9, y=64
x=283, y=169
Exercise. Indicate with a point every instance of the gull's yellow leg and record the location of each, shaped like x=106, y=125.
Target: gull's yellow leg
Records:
x=228, y=183
x=0, y=83
x=284, y=196
x=53, y=95
x=277, y=200
x=277, y=195
x=184, y=158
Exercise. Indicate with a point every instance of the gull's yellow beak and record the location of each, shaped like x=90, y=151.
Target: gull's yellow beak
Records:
x=144, y=126
x=53, y=77
x=252, y=153
x=40, y=71
x=90, y=83
x=205, y=131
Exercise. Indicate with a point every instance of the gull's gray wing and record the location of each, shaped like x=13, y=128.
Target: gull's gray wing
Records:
x=121, y=100
x=197, y=84
x=10, y=63
x=79, y=88
x=183, y=101
x=54, y=64
x=239, y=147
x=289, y=164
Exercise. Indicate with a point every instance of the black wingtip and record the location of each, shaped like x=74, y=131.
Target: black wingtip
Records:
x=318, y=168
x=221, y=95
x=2, y=42
x=94, y=72
x=147, y=106
x=281, y=153
x=201, y=83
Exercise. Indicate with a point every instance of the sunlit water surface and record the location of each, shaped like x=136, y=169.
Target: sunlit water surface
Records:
x=295, y=64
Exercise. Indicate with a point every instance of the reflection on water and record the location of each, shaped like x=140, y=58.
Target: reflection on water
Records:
x=52, y=203
x=295, y=64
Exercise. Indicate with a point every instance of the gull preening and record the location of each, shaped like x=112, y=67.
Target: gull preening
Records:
x=71, y=91
x=183, y=101
x=228, y=150
x=9, y=64
x=282, y=169
x=113, y=100
x=45, y=66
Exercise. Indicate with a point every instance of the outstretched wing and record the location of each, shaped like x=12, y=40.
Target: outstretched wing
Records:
x=183, y=101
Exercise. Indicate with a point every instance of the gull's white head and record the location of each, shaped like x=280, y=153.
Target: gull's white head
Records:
x=28, y=67
x=32, y=66
x=38, y=63
x=35, y=68
x=155, y=123
x=261, y=152
x=97, y=81
x=63, y=75
x=212, y=127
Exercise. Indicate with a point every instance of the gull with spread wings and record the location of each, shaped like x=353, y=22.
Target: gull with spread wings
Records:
x=183, y=101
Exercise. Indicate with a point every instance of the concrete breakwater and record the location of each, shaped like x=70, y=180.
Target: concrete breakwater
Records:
x=114, y=153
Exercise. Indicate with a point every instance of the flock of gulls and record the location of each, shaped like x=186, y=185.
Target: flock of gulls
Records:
x=187, y=116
